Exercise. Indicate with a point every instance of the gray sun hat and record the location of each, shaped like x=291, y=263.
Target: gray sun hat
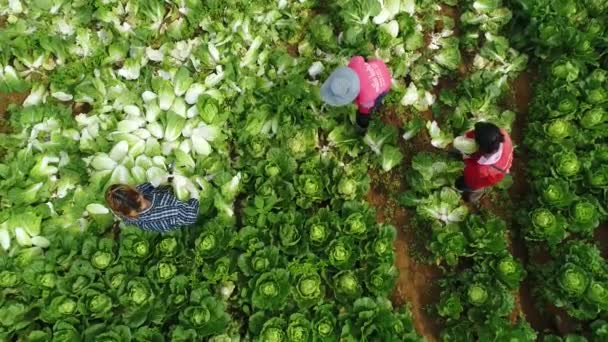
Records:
x=341, y=88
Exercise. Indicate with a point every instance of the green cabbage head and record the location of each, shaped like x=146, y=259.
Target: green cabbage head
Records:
x=598, y=293
x=271, y=289
x=67, y=307
x=324, y=327
x=567, y=164
x=48, y=280
x=381, y=280
x=585, y=216
x=477, y=294
x=274, y=331
x=311, y=186
x=200, y=316
x=573, y=280
x=568, y=104
x=510, y=272
x=559, y=129
x=95, y=303
x=102, y=260
x=141, y=248
x=565, y=70
x=347, y=286
x=165, y=271
x=593, y=117
x=167, y=246
x=597, y=95
x=8, y=279
x=547, y=226
x=318, y=233
x=555, y=192
x=308, y=289
x=299, y=328
x=272, y=169
x=347, y=188
x=138, y=291
x=206, y=316
x=543, y=218
x=340, y=253
x=355, y=225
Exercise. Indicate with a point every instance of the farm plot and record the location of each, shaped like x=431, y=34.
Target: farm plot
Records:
x=308, y=230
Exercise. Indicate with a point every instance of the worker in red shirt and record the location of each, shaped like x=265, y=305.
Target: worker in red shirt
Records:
x=489, y=165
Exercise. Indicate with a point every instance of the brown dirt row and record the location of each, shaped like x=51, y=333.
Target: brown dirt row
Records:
x=416, y=285
x=519, y=99
x=601, y=236
x=5, y=101
x=548, y=318
x=415, y=281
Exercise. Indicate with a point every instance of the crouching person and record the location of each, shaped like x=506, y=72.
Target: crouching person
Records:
x=489, y=165
x=364, y=82
x=151, y=209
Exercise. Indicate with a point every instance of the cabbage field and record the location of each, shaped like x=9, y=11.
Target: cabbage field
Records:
x=308, y=231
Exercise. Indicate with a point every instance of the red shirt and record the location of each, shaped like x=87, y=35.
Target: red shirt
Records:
x=478, y=176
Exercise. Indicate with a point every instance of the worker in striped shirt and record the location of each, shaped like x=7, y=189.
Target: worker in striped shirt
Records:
x=151, y=209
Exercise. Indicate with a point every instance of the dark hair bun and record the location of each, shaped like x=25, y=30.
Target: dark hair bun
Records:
x=488, y=137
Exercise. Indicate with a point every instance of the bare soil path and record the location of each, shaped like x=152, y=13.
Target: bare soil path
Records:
x=519, y=100
x=546, y=319
x=416, y=280
x=5, y=101
x=601, y=236
x=416, y=285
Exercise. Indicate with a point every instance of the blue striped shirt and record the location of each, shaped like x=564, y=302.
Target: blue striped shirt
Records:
x=166, y=212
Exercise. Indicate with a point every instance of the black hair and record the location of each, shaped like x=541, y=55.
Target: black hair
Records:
x=488, y=137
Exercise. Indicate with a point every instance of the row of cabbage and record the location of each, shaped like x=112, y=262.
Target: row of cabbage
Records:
x=226, y=92
x=481, y=276
x=568, y=151
x=476, y=300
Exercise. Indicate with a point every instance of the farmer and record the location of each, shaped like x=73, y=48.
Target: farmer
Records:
x=364, y=82
x=151, y=209
x=489, y=164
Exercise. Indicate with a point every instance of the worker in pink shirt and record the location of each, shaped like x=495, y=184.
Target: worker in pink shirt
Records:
x=364, y=82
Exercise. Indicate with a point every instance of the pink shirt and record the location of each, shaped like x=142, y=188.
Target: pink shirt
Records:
x=374, y=80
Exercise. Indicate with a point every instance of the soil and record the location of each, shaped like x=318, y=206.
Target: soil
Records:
x=452, y=12
x=416, y=283
x=519, y=100
x=292, y=50
x=601, y=237
x=80, y=108
x=547, y=319
x=5, y=101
